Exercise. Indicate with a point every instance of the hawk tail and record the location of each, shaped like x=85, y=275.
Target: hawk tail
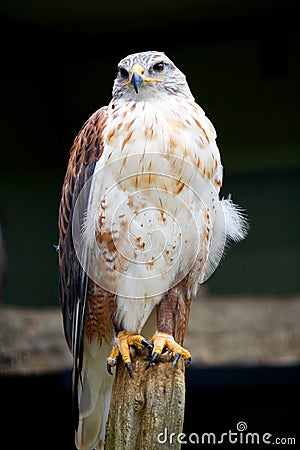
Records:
x=94, y=393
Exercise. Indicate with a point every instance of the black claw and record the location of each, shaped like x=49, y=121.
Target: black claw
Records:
x=187, y=362
x=118, y=329
x=176, y=359
x=129, y=368
x=108, y=366
x=147, y=345
x=152, y=360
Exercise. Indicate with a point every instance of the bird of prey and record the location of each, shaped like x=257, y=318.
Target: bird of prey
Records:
x=141, y=225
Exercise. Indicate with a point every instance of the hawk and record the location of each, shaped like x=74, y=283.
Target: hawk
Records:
x=141, y=225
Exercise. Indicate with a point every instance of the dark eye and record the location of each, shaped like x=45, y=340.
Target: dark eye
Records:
x=123, y=72
x=159, y=67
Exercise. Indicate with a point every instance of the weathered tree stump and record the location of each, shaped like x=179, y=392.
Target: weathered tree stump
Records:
x=147, y=408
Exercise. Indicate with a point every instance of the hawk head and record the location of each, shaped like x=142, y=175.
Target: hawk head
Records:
x=142, y=76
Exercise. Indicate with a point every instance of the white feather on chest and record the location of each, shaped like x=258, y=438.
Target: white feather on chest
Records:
x=153, y=200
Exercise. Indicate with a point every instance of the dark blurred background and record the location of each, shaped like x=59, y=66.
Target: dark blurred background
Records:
x=241, y=59
x=242, y=63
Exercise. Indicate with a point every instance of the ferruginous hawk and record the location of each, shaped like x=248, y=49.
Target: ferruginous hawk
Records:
x=141, y=225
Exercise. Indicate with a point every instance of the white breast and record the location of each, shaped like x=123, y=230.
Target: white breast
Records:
x=146, y=224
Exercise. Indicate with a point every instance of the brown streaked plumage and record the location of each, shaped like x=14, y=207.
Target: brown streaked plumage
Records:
x=86, y=150
x=99, y=311
x=140, y=226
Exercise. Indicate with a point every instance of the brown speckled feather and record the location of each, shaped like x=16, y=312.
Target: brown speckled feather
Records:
x=100, y=307
x=85, y=152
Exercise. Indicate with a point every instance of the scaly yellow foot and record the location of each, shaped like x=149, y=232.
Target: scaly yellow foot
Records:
x=121, y=346
x=164, y=340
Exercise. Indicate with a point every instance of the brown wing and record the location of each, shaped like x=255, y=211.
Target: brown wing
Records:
x=85, y=152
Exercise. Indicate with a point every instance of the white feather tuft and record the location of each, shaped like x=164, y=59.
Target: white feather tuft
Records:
x=236, y=224
x=230, y=224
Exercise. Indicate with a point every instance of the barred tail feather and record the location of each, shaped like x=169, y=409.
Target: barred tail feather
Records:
x=94, y=393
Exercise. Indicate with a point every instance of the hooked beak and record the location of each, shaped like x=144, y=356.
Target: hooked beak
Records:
x=136, y=76
x=136, y=80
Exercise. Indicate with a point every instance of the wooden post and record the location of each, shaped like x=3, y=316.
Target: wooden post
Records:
x=147, y=408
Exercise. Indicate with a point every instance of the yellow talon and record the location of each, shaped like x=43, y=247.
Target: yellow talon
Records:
x=113, y=356
x=123, y=341
x=164, y=340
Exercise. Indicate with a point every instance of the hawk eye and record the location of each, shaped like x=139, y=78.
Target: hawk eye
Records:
x=123, y=73
x=158, y=67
